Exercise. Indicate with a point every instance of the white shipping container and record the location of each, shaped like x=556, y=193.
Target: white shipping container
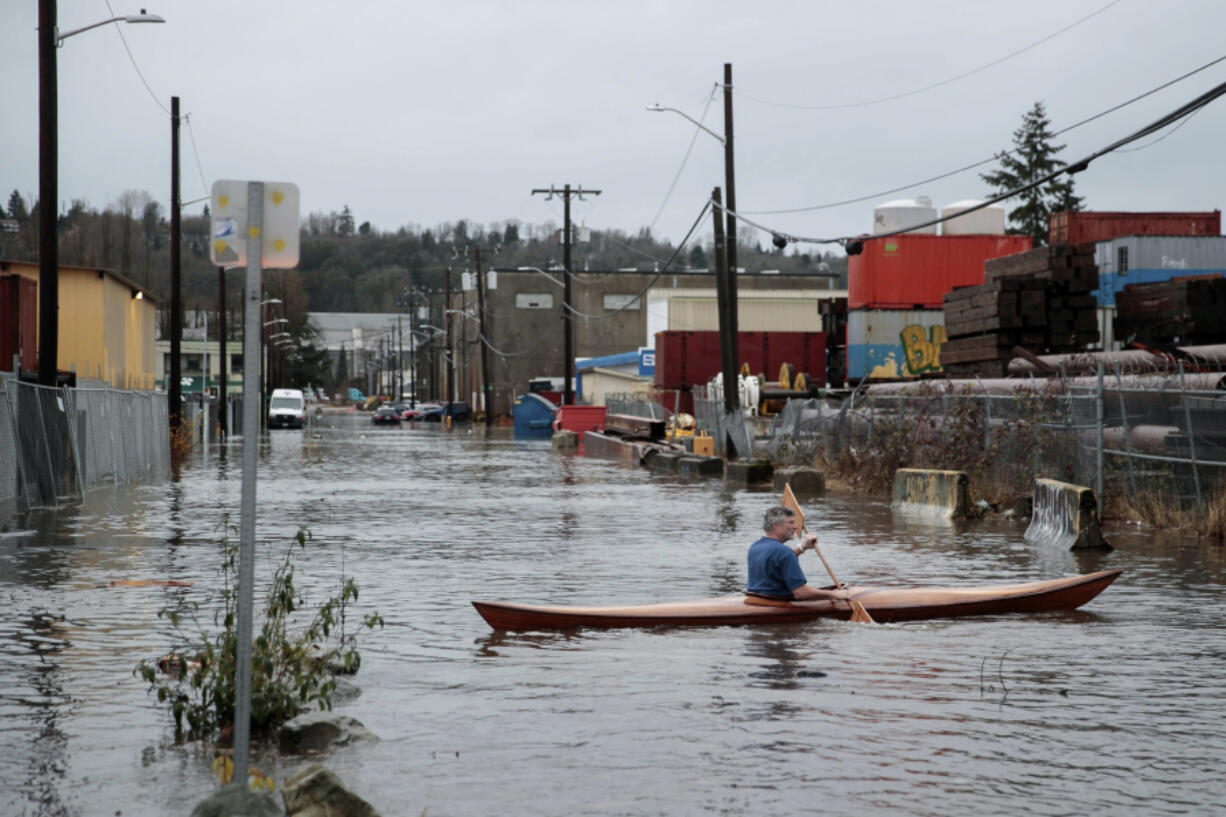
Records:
x=894, y=343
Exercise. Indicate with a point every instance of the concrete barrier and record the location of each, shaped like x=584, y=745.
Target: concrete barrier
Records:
x=700, y=466
x=804, y=481
x=931, y=493
x=565, y=440
x=663, y=462
x=749, y=472
x=1066, y=516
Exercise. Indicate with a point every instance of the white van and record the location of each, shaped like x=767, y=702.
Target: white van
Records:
x=287, y=409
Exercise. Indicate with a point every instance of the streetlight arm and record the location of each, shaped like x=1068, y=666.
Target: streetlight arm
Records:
x=60, y=36
x=658, y=108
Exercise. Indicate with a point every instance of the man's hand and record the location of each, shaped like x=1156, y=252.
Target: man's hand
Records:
x=808, y=543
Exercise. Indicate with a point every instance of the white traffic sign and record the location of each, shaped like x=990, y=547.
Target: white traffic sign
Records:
x=230, y=228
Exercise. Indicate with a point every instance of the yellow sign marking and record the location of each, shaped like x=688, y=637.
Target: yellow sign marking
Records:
x=279, y=244
x=277, y=197
x=253, y=231
x=221, y=246
x=222, y=201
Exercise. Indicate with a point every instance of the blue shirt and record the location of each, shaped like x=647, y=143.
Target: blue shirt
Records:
x=774, y=569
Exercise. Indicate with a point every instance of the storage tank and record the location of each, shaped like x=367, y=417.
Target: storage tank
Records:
x=902, y=213
x=989, y=220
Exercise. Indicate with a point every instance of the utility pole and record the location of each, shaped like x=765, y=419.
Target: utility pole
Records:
x=727, y=331
x=450, y=365
x=48, y=239
x=176, y=305
x=487, y=389
x=568, y=353
x=223, y=357
x=730, y=235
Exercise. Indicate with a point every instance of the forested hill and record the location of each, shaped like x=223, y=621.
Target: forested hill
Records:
x=350, y=267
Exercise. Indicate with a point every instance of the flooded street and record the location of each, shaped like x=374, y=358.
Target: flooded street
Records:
x=1115, y=708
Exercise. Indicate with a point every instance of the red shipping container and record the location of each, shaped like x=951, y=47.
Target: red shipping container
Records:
x=1088, y=226
x=19, y=328
x=685, y=359
x=578, y=418
x=917, y=271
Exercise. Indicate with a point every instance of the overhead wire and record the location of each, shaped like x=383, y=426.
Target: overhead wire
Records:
x=990, y=159
x=124, y=40
x=684, y=159
x=650, y=283
x=1186, y=110
x=963, y=75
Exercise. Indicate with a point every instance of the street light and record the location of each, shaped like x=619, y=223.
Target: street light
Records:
x=657, y=107
x=727, y=289
x=49, y=39
x=276, y=321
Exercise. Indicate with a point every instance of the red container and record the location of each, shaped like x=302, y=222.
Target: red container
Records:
x=685, y=359
x=917, y=271
x=578, y=418
x=19, y=328
x=1088, y=226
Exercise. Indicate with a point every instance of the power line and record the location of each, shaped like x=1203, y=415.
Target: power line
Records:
x=980, y=163
x=191, y=137
x=1186, y=110
x=963, y=75
x=124, y=40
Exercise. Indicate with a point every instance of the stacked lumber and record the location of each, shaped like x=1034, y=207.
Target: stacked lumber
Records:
x=1188, y=309
x=1039, y=300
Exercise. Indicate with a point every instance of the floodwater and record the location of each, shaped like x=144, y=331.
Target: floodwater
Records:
x=1112, y=709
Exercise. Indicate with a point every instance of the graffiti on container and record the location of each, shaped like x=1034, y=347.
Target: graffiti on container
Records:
x=921, y=346
x=1174, y=263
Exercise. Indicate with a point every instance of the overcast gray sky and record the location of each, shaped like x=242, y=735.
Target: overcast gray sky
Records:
x=414, y=112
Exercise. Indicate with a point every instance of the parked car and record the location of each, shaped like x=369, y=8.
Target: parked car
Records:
x=460, y=412
x=416, y=412
x=386, y=415
x=287, y=409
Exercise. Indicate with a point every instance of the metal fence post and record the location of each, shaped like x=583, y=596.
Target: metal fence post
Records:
x=1187, y=417
x=1098, y=484
x=1119, y=384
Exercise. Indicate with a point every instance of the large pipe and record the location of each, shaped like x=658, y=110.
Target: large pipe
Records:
x=1197, y=381
x=1129, y=361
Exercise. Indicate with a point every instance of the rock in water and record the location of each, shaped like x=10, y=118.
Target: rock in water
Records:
x=317, y=731
x=317, y=792
x=237, y=800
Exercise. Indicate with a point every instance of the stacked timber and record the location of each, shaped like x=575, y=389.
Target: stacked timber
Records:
x=1039, y=300
x=1189, y=309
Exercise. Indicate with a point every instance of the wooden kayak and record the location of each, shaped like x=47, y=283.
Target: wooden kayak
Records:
x=882, y=603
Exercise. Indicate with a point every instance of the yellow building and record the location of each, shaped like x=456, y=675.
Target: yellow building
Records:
x=107, y=324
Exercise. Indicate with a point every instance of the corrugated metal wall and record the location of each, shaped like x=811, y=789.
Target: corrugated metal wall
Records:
x=757, y=311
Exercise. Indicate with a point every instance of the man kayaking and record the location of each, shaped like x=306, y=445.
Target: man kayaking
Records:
x=774, y=568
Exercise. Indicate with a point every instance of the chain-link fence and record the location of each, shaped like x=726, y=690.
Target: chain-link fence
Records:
x=1127, y=436
x=640, y=404
x=58, y=443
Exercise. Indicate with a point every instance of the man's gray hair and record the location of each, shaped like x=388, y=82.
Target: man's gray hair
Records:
x=774, y=516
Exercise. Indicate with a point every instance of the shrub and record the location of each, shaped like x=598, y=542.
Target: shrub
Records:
x=290, y=670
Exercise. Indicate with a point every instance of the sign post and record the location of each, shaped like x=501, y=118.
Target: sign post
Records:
x=254, y=224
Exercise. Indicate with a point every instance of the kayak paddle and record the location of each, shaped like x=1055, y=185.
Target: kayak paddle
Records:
x=858, y=613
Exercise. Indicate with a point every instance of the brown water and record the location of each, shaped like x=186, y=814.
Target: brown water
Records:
x=1112, y=709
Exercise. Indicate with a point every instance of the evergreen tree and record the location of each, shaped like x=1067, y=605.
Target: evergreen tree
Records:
x=17, y=207
x=698, y=257
x=1033, y=157
x=344, y=224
